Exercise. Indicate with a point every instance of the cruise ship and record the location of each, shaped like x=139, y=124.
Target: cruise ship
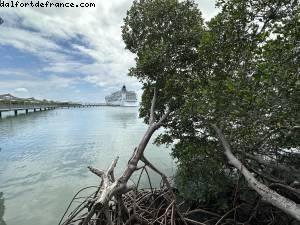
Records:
x=122, y=98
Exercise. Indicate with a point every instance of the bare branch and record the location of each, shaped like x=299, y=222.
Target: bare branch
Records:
x=227, y=213
x=202, y=211
x=108, y=218
x=152, y=117
x=164, y=117
x=110, y=171
x=163, y=176
x=262, y=175
x=98, y=172
x=271, y=164
x=133, y=162
x=111, y=187
x=267, y=194
x=279, y=185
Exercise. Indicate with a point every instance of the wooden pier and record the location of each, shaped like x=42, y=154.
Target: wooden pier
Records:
x=37, y=108
x=25, y=108
x=10, y=103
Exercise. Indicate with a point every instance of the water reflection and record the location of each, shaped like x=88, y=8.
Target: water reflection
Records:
x=10, y=124
x=2, y=209
x=125, y=117
x=44, y=157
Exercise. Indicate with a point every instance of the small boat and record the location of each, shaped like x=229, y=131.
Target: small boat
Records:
x=122, y=98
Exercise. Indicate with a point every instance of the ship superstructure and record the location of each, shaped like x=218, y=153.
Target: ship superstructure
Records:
x=122, y=98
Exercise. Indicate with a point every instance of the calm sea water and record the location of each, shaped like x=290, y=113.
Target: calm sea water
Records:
x=44, y=157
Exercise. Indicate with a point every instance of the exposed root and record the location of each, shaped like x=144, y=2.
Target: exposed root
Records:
x=144, y=206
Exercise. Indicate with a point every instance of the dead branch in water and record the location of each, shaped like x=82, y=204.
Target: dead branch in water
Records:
x=114, y=202
x=136, y=206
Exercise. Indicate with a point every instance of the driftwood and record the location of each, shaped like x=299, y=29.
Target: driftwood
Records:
x=157, y=206
x=114, y=202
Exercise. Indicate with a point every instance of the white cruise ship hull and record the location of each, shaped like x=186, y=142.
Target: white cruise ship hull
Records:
x=122, y=103
x=129, y=104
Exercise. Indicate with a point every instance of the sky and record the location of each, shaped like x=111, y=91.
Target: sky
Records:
x=68, y=54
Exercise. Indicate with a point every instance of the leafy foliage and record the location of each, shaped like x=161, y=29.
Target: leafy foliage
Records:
x=240, y=70
x=164, y=35
x=196, y=181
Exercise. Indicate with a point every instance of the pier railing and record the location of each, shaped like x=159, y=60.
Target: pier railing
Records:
x=10, y=103
x=10, y=107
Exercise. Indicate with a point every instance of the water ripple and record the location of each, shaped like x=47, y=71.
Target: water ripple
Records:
x=44, y=157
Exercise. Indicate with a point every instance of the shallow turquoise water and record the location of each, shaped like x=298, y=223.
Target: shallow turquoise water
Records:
x=44, y=155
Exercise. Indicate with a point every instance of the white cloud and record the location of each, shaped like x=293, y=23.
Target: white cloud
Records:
x=21, y=92
x=62, y=37
x=63, y=67
x=21, y=89
x=98, y=28
x=14, y=72
x=40, y=87
x=27, y=40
